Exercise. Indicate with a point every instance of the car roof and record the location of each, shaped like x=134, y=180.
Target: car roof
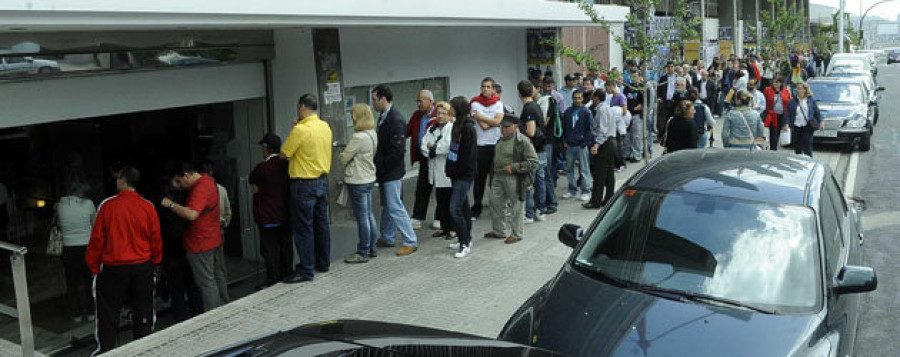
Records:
x=767, y=176
x=850, y=80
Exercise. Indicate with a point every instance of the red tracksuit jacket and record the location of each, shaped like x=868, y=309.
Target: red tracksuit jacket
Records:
x=125, y=232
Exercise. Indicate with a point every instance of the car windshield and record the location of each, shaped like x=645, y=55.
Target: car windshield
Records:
x=756, y=253
x=850, y=63
x=837, y=92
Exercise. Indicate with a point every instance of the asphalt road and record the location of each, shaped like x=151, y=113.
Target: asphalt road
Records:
x=877, y=183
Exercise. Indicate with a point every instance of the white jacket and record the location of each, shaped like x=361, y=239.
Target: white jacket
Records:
x=440, y=138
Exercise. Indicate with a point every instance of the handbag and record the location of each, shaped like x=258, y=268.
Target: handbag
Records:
x=729, y=96
x=55, y=243
x=344, y=196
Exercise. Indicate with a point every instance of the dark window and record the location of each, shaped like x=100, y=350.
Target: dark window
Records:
x=831, y=232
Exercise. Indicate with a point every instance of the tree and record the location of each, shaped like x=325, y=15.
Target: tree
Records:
x=784, y=25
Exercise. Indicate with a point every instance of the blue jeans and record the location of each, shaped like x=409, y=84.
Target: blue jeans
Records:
x=361, y=196
x=309, y=221
x=550, y=174
x=394, y=215
x=580, y=154
x=460, y=211
x=704, y=139
x=537, y=199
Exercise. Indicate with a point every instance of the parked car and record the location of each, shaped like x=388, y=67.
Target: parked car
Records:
x=847, y=111
x=851, y=60
x=716, y=252
x=893, y=56
x=26, y=65
x=868, y=82
x=371, y=338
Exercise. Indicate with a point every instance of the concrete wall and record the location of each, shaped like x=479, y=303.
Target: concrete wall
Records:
x=293, y=74
x=34, y=102
x=463, y=54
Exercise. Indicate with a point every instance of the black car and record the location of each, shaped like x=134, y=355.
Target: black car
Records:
x=372, y=338
x=715, y=252
x=893, y=56
x=848, y=112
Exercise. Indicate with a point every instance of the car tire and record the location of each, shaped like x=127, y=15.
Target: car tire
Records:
x=866, y=143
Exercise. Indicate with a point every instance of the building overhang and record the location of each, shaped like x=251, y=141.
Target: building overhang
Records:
x=115, y=15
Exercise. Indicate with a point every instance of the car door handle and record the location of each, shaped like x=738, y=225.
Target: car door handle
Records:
x=860, y=239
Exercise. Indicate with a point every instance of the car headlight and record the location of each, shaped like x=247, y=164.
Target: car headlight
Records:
x=857, y=121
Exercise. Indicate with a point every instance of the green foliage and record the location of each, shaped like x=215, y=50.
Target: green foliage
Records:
x=787, y=23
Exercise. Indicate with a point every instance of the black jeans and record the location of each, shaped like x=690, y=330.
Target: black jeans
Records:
x=187, y=301
x=802, y=140
x=78, y=281
x=603, y=171
x=442, y=211
x=459, y=210
x=775, y=133
x=114, y=283
x=485, y=160
x=277, y=251
x=423, y=192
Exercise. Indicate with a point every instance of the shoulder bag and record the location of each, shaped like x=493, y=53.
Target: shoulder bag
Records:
x=757, y=143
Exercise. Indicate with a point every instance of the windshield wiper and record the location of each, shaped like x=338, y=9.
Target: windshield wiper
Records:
x=603, y=276
x=701, y=298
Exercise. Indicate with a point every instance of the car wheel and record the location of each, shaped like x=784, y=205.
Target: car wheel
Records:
x=866, y=143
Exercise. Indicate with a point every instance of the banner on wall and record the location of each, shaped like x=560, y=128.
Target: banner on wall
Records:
x=691, y=51
x=725, y=48
x=541, y=50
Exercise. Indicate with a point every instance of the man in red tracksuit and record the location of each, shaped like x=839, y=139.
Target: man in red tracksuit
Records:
x=125, y=245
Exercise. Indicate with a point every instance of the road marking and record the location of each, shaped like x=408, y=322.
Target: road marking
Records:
x=850, y=181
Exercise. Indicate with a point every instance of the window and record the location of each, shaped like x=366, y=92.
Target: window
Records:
x=831, y=232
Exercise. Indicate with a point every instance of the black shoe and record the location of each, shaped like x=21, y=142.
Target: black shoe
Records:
x=373, y=254
x=439, y=234
x=322, y=270
x=550, y=210
x=296, y=278
x=589, y=205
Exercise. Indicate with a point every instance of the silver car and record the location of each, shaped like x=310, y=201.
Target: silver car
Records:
x=846, y=113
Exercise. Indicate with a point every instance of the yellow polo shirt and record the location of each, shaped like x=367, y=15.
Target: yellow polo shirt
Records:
x=308, y=148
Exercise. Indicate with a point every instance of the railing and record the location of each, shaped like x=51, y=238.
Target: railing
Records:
x=22, y=311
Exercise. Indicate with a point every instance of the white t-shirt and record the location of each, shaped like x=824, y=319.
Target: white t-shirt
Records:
x=75, y=216
x=802, y=113
x=491, y=135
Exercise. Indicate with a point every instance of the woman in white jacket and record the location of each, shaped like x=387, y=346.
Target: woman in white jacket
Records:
x=436, y=145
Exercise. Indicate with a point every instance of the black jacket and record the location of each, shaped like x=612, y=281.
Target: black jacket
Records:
x=462, y=161
x=391, y=151
x=681, y=134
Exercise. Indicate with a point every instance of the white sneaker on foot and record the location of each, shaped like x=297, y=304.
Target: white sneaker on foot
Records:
x=567, y=195
x=463, y=252
x=436, y=225
x=586, y=197
x=539, y=217
x=529, y=220
x=416, y=224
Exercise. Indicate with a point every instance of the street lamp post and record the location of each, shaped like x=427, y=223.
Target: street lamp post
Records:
x=861, y=19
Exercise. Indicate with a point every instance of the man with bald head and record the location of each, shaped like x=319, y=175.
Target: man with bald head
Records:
x=416, y=128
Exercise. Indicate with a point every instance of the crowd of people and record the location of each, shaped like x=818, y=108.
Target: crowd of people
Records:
x=588, y=129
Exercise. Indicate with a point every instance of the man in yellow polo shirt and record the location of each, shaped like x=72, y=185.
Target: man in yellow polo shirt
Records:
x=308, y=149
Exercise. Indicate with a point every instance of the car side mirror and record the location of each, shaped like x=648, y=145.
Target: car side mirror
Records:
x=570, y=234
x=879, y=89
x=855, y=279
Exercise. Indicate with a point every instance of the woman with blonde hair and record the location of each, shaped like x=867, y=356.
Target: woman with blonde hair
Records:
x=804, y=119
x=359, y=176
x=435, y=146
x=682, y=131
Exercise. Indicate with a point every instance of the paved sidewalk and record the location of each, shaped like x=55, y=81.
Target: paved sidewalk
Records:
x=476, y=294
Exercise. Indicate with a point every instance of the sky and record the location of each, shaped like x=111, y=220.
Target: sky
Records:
x=888, y=10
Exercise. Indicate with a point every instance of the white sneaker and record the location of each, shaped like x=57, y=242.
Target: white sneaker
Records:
x=454, y=245
x=529, y=220
x=586, y=197
x=463, y=252
x=539, y=217
x=436, y=225
x=417, y=224
x=567, y=195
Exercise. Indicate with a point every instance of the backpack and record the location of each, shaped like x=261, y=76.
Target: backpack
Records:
x=554, y=127
x=700, y=118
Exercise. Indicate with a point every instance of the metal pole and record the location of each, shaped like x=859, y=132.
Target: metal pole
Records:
x=734, y=27
x=20, y=286
x=841, y=28
x=758, y=30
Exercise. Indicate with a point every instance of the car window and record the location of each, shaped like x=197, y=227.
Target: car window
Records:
x=12, y=60
x=837, y=92
x=754, y=252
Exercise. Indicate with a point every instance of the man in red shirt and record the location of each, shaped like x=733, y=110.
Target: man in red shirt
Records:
x=124, y=246
x=203, y=237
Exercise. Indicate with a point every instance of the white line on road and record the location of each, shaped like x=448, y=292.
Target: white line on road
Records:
x=850, y=181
